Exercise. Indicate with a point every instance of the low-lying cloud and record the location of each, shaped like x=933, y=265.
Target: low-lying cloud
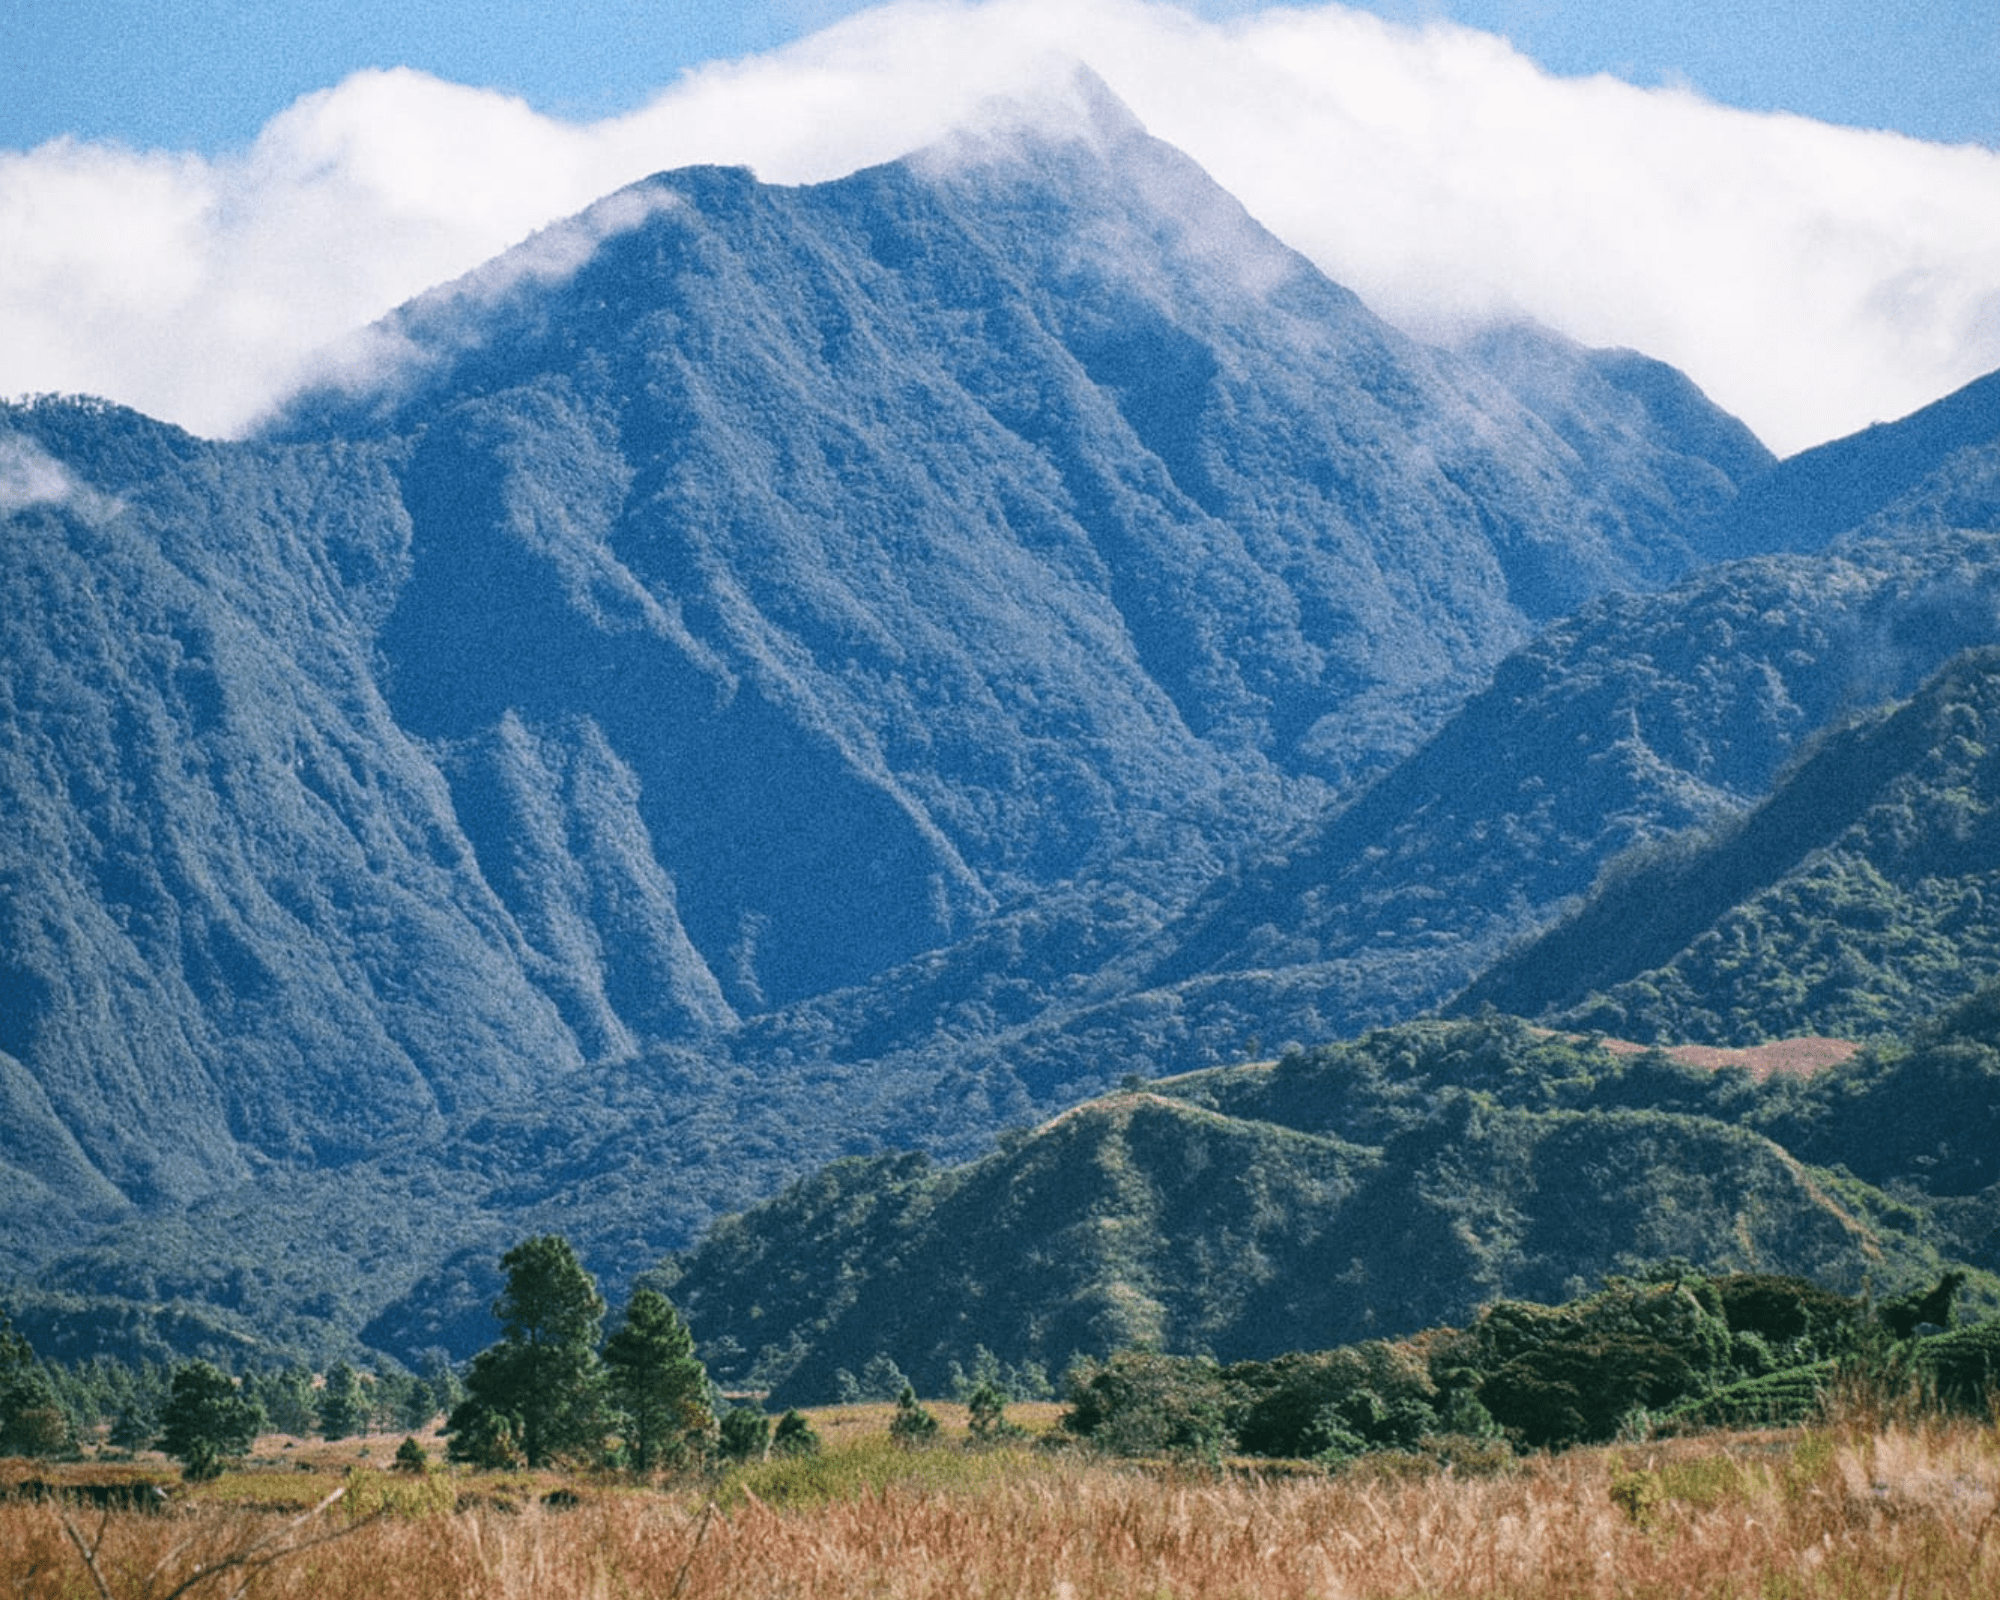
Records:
x=1812, y=278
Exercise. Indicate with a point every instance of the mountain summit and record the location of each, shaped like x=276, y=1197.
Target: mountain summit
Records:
x=940, y=533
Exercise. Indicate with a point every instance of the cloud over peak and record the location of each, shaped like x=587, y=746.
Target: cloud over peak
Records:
x=1812, y=278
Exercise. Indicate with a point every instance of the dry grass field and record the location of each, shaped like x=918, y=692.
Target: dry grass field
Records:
x=1892, y=1510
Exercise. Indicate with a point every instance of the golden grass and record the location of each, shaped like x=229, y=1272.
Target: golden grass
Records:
x=1905, y=1510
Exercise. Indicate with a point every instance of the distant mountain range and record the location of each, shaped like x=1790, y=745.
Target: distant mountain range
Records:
x=760, y=674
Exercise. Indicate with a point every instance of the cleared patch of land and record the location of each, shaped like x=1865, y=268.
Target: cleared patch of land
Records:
x=1795, y=1057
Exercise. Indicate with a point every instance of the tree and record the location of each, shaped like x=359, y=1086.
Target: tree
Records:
x=912, y=1425
x=286, y=1394
x=343, y=1407
x=543, y=1380
x=881, y=1379
x=794, y=1436
x=658, y=1381
x=32, y=1422
x=441, y=1381
x=1141, y=1403
x=206, y=1420
x=986, y=1411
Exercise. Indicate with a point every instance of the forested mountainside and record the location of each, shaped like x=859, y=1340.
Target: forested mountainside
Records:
x=1363, y=1190
x=1821, y=492
x=758, y=674
x=1643, y=723
x=1852, y=901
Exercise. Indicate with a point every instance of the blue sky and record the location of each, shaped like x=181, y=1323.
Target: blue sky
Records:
x=1798, y=205
x=206, y=75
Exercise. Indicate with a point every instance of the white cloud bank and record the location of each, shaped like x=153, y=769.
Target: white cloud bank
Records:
x=1812, y=278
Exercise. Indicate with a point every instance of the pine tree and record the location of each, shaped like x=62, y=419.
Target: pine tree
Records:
x=986, y=1410
x=32, y=1421
x=794, y=1436
x=543, y=1380
x=288, y=1400
x=745, y=1432
x=343, y=1408
x=658, y=1381
x=206, y=1420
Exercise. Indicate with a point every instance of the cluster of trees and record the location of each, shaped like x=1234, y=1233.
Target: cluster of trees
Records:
x=194, y=1410
x=553, y=1389
x=1673, y=1347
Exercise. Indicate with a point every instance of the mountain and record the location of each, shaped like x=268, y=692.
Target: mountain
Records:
x=1851, y=902
x=1836, y=486
x=1370, y=1189
x=1639, y=723
x=762, y=675
x=1639, y=719
x=731, y=601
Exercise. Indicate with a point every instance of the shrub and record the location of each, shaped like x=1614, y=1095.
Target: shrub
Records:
x=745, y=1433
x=1139, y=1403
x=1777, y=1399
x=794, y=1436
x=987, y=1410
x=912, y=1425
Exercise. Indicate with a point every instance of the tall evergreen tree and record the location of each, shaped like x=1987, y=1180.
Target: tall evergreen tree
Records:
x=658, y=1381
x=288, y=1400
x=32, y=1421
x=343, y=1407
x=207, y=1419
x=543, y=1379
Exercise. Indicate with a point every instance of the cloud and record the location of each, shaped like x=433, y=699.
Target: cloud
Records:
x=1812, y=278
x=29, y=477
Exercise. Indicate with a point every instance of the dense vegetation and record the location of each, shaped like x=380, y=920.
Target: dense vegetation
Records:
x=1374, y=1188
x=1852, y=902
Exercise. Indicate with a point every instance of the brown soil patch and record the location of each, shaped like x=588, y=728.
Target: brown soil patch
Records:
x=1797, y=1057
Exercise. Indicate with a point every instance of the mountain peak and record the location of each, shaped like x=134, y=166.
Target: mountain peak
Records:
x=1070, y=108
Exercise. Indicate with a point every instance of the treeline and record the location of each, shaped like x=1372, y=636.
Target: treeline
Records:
x=1672, y=1350
x=552, y=1390
x=53, y=1408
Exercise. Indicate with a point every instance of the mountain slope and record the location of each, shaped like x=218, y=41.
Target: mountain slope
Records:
x=1640, y=717
x=1823, y=492
x=1026, y=496
x=236, y=902
x=1851, y=901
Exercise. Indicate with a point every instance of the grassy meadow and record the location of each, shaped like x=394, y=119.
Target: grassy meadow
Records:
x=1862, y=1508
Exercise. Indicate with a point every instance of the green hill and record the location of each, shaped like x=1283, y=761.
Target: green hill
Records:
x=1370, y=1189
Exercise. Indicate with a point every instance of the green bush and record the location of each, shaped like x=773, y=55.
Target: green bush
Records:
x=1141, y=1404
x=1335, y=1403
x=794, y=1436
x=1777, y=1399
x=912, y=1425
x=1963, y=1367
x=745, y=1433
